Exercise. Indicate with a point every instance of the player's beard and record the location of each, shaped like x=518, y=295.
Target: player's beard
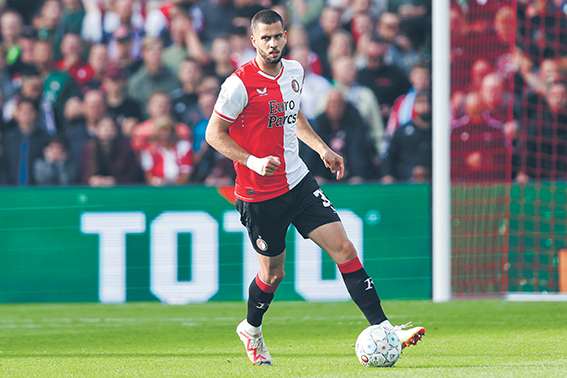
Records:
x=269, y=59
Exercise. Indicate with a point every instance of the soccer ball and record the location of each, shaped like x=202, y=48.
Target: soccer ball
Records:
x=378, y=346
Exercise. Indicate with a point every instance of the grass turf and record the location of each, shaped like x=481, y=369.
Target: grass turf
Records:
x=490, y=338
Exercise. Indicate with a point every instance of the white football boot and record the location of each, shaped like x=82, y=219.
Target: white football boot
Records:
x=409, y=336
x=254, y=344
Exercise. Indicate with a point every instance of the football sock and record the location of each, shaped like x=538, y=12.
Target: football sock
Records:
x=260, y=295
x=362, y=291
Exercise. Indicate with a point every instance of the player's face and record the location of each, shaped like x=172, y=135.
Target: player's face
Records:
x=269, y=41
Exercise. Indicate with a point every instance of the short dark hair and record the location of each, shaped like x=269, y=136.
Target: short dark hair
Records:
x=423, y=64
x=424, y=93
x=61, y=140
x=25, y=100
x=266, y=17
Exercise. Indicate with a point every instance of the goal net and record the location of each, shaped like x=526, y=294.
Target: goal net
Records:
x=508, y=145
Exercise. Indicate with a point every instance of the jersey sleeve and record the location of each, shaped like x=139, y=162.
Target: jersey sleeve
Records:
x=232, y=99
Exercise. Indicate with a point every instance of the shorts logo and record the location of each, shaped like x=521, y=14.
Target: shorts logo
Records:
x=261, y=243
x=295, y=86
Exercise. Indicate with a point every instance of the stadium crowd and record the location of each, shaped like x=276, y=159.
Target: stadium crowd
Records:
x=509, y=91
x=112, y=92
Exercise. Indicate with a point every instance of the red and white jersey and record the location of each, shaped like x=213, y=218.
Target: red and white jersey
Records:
x=263, y=110
x=168, y=163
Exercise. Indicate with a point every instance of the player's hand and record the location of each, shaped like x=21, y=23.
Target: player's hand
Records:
x=334, y=162
x=265, y=166
x=270, y=165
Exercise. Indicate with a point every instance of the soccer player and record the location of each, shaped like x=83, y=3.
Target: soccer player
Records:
x=257, y=123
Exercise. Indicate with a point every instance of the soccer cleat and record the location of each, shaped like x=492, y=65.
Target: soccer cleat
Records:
x=255, y=346
x=409, y=336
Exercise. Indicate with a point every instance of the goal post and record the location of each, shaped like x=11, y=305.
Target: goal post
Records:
x=441, y=175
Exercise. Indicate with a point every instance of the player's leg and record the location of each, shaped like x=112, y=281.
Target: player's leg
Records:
x=263, y=286
x=267, y=227
x=260, y=295
x=331, y=237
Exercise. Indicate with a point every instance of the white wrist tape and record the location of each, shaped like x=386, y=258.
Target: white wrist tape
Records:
x=255, y=164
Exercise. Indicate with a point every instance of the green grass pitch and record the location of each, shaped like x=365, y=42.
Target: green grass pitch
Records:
x=488, y=338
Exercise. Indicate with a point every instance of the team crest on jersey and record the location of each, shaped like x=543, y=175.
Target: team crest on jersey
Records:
x=262, y=92
x=261, y=243
x=295, y=86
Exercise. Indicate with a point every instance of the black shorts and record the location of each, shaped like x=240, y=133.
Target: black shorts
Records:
x=267, y=222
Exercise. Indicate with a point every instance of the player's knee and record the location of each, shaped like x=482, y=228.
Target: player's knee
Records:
x=348, y=252
x=275, y=278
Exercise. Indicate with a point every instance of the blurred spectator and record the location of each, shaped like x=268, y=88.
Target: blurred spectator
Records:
x=415, y=16
x=545, y=137
x=305, y=12
x=203, y=154
x=401, y=52
x=125, y=111
x=241, y=45
x=167, y=159
x=403, y=111
x=539, y=81
x=495, y=97
x=124, y=51
x=47, y=22
x=26, y=8
x=83, y=128
x=373, y=8
x=221, y=63
x=159, y=105
x=480, y=68
x=329, y=22
x=58, y=86
x=32, y=89
x=409, y=154
x=362, y=25
x=339, y=46
x=184, y=100
x=100, y=22
x=22, y=145
x=363, y=99
x=55, y=167
x=388, y=82
x=342, y=128
x=314, y=86
x=185, y=41
x=20, y=58
x=108, y=159
x=159, y=19
x=131, y=26
x=222, y=171
x=479, y=148
x=97, y=65
x=73, y=14
x=71, y=61
x=209, y=84
x=153, y=75
x=11, y=25
x=218, y=16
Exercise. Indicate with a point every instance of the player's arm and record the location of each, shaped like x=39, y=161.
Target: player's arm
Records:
x=307, y=135
x=217, y=136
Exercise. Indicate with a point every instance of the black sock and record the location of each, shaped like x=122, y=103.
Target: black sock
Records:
x=260, y=295
x=362, y=291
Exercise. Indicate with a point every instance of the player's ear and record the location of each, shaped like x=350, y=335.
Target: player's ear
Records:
x=253, y=40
